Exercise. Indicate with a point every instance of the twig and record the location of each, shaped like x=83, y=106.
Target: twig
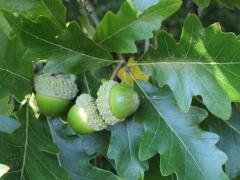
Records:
x=193, y=8
x=118, y=67
x=91, y=11
x=146, y=45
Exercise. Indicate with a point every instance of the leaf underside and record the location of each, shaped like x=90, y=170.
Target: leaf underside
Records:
x=229, y=132
x=63, y=48
x=29, y=152
x=123, y=149
x=185, y=149
x=79, y=150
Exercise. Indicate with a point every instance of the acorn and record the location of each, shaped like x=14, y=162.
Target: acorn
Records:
x=54, y=93
x=84, y=117
x=116, y=101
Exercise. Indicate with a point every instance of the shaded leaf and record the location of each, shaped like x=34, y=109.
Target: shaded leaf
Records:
x=89, y=84
x=15, y=74
x=103, y=6
x=5, y=27
x=36, y=8
x=185, y=149
x=205, y=62
x=154, y=171
x=67, y=51
x=5, y=107
x=79, y=150
x=229, y=132
x=123, y=148
x=29, y=152
x=231, y=3
x=202, y=3
x=127, y=26
x=8, y=125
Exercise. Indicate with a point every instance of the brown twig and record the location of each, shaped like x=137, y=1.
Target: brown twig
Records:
x=91, y=11
x=118, y=67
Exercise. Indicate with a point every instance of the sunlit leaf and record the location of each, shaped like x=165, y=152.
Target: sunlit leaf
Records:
x=205, y=62
x=29, y=152
x=185, y=149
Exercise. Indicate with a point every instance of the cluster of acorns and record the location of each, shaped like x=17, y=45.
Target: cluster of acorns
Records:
x=114, y=104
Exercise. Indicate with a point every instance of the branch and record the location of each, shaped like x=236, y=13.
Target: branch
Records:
x=118, y=67
x=91, y=11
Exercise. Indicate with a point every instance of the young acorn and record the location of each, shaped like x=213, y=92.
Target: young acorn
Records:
x=84, y=117
x=54, y=93
x=116, y=101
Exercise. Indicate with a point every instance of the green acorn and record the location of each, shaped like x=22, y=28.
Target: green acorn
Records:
x=116, y=101
x=84, y=117
x=54, y=93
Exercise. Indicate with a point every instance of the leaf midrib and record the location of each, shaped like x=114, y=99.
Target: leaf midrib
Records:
x=25, y=144
x=68, y=49
x=15, y=74
x=132, y=23
x=149, y=99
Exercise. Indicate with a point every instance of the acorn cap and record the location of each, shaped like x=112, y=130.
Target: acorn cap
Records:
x=58, y=86
x=88, y=104
x=103, y=104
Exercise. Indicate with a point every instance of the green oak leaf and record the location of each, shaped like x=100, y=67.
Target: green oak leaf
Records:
x=8, y=125
x=229, y=132
x=229, y=3
x=118, y=32
x=36, y=8
x=5, y=26
x=153, y=173
x=29, y=151
x=5, y=107
x=88, y=83
x=77, y=151
x=101, y=7
x=123, y=149
x=15, y=73
x=67, y=50
x=185, y=149
x=202, y=3
x=204, y=62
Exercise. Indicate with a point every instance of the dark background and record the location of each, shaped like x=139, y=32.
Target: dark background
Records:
x=229, y=18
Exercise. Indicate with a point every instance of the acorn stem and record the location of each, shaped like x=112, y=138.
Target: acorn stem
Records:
x=91, y=11
x=118, y=67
